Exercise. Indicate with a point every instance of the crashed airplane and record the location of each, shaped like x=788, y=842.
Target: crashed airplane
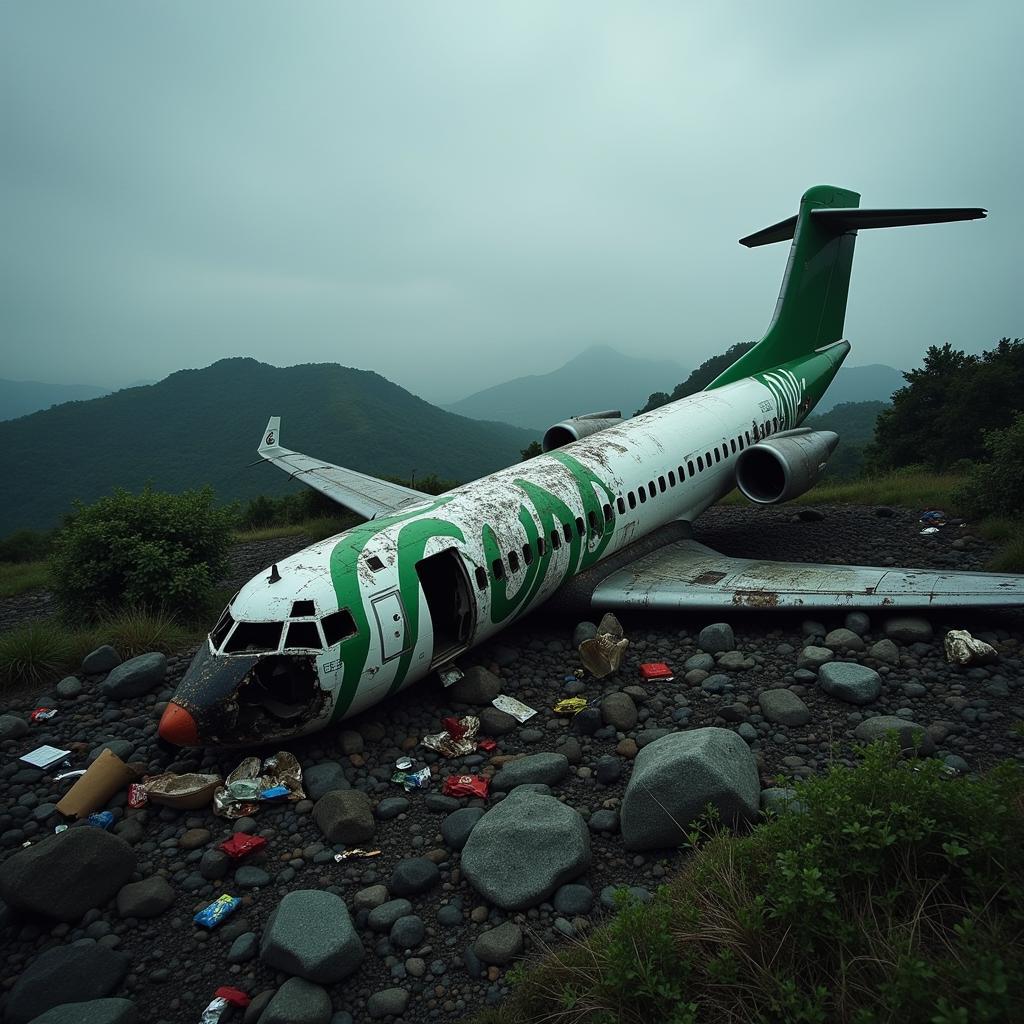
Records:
x=600, y=520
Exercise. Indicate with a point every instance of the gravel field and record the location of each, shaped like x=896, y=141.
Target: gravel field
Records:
x=419, y=941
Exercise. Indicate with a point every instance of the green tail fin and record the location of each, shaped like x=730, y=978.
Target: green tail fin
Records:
x=812, y=303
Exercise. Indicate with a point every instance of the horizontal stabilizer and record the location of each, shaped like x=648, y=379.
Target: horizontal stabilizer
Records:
x=687, y=574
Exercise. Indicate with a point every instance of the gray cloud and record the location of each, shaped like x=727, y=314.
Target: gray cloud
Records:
x=454, y=194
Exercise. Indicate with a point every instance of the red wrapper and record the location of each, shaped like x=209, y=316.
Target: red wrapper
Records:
x=656, y=670
x=487, y=744
x=240, y=845
x=42, y=714
x=465, y=785
x=453, y=727
x=137, y=795
x=235, y=996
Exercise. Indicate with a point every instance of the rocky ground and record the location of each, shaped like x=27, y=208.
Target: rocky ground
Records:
x=425, y=931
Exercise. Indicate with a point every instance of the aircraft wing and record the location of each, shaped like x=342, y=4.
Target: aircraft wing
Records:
x=365, y=495
x=686, y=574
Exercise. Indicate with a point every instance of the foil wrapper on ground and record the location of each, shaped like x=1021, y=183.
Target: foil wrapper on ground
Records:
x=224, y=997
x=244, y=788
x=516, y=708
x=101, y=819
x=137, y=796
x=964, y=649
x=570, y=706
x=187, y=792
x=217, y=911
x=42, y=714
x=466, y=785
x=458, y=738
x=355, y=854
x=412, y=780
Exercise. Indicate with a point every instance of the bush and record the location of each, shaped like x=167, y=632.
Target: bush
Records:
x=26, y=546
x=148, y=550
x=995, y=487
x=896, y=895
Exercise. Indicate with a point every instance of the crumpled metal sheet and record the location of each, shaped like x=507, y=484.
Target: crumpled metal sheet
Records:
x=448, y=745
x=189, y=791
x=239, y=796
x=964, y=649
x=602, y=655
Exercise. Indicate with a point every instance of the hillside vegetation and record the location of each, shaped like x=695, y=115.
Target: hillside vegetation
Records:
x=201, y=427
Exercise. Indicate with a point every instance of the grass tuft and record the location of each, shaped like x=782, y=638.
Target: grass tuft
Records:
x=315, y=529
x=35, y=652
x=17, y=577
x=898, y=895
x=1009, y=558
x=911, y=488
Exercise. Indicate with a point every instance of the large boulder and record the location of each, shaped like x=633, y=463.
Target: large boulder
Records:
x=846, y=680
x=345, y=816
x=321, y=779
x=148, y=898
x=311, y=935
x=103, y=659
x=135, y=677
x=717, y=637
x=674, y=778
x=545, y=768
x=784, y=707
x=477, y=686
x=95, y=1011
x=63, y=876
x=912, y=737
x=64, y=974
x=523, y=849
x=298, y=1002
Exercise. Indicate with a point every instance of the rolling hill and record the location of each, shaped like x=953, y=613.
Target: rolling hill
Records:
x=21, y=397
x=599, y=378
x=202, y=426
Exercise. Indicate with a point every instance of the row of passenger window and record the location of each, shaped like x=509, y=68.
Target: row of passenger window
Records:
x=599, y=523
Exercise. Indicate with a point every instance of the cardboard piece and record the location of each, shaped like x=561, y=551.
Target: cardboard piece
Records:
x=107, y=775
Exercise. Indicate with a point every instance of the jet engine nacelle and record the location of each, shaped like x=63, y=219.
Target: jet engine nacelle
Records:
x=576, y=427
x=784, y=466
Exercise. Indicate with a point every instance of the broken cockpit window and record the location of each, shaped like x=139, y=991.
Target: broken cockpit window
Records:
x=301, y=608
x=338, y=626
x=219, y=632
x=303, y=636
x=254, y=636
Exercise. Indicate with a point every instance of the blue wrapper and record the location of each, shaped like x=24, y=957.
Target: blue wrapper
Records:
x=274, y=793
x=101, y=819
x=220, y=908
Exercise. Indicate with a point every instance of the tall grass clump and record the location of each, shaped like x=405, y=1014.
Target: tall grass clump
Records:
x=17, y=577
x=896, y=895
x=35, y=652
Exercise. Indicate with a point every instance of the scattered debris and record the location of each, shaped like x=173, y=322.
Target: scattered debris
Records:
x=251, y=782
x=964, y=649
x=928, y=530
x=933, y=517
x=412, y=780
x=73, y=774
x=487, y=744
x=404, y=764
x=186, y=792
x=466, y=785
x=42, y=714
x=450, y=676
x=602, y=655
x=137, y=796
x=458, y=738
x=570, y=706
x=224, y=997
x=241, y=845
x=217, y=911
x=107, y=775
x=517, y=709
x=45, y=756
x=101, y=819
x=357, y=852
x=656, y=670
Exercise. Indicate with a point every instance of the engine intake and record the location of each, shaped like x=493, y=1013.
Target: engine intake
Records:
x=576, y=427
x=784, y=466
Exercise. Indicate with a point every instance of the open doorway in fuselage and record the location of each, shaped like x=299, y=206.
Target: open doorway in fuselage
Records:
x=449, y=598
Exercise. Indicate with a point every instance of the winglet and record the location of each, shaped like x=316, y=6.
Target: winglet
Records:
x=271, y=440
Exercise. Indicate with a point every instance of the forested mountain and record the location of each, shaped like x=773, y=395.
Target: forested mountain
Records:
x=597, y=379
x=203, y=426
x=854, y=422
x=21, y=397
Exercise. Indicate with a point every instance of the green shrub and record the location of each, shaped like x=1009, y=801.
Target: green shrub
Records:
x=896, y=896
x=17, y=577
x=149, y=550
x=26, y=546
x=995, y=487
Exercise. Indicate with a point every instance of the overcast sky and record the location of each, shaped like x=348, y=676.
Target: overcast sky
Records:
x=453, y=194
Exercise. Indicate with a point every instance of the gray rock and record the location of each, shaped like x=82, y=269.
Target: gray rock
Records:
x=857, y=622
x=103, y=659
x=298, y=1002
x=548, y=769
x=717, y=637
x=311, y=935
x=845, y=680
x=214, y=865
x=735, y=661
x=370, y=897
x=383, y=918
x=908, y=628
x=351, y=742
x=248, y=876
x=119, y=748
x=135, y=677
x=619, y=711
x=321, y=779
x=391, y=807
x=574, y=900
x=650, y=735
x=413, y=876
x=813, y=657
x=885, y=651
x=746, y=731
x=584, y=631
x=69, y=687
x=911, y=735
x=148, y=898
x=587, y=722
x=12, y=727
x=844, y=640
x=494, y=722
x=389, y=1002
x=407, y=932
x=345, y=816
x=699, y=663
x=63, y=876
x=524, y=848
x=674, y=779
x=64, y=974
x=244, y=948
x=604, y=821
x=455, y=829
x=608, y=769
x=784, y=707
x=94, y=1011
x=477, y=687
x=499, y=946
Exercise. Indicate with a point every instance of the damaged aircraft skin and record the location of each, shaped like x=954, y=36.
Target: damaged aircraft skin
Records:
x=600, y=518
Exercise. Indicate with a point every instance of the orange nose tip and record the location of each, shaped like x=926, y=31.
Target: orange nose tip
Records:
x=177, y=726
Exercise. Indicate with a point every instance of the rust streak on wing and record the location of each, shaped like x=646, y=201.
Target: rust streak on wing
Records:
x=755, y=599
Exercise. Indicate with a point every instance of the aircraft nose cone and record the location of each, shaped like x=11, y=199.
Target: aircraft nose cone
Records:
x=177, y=726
